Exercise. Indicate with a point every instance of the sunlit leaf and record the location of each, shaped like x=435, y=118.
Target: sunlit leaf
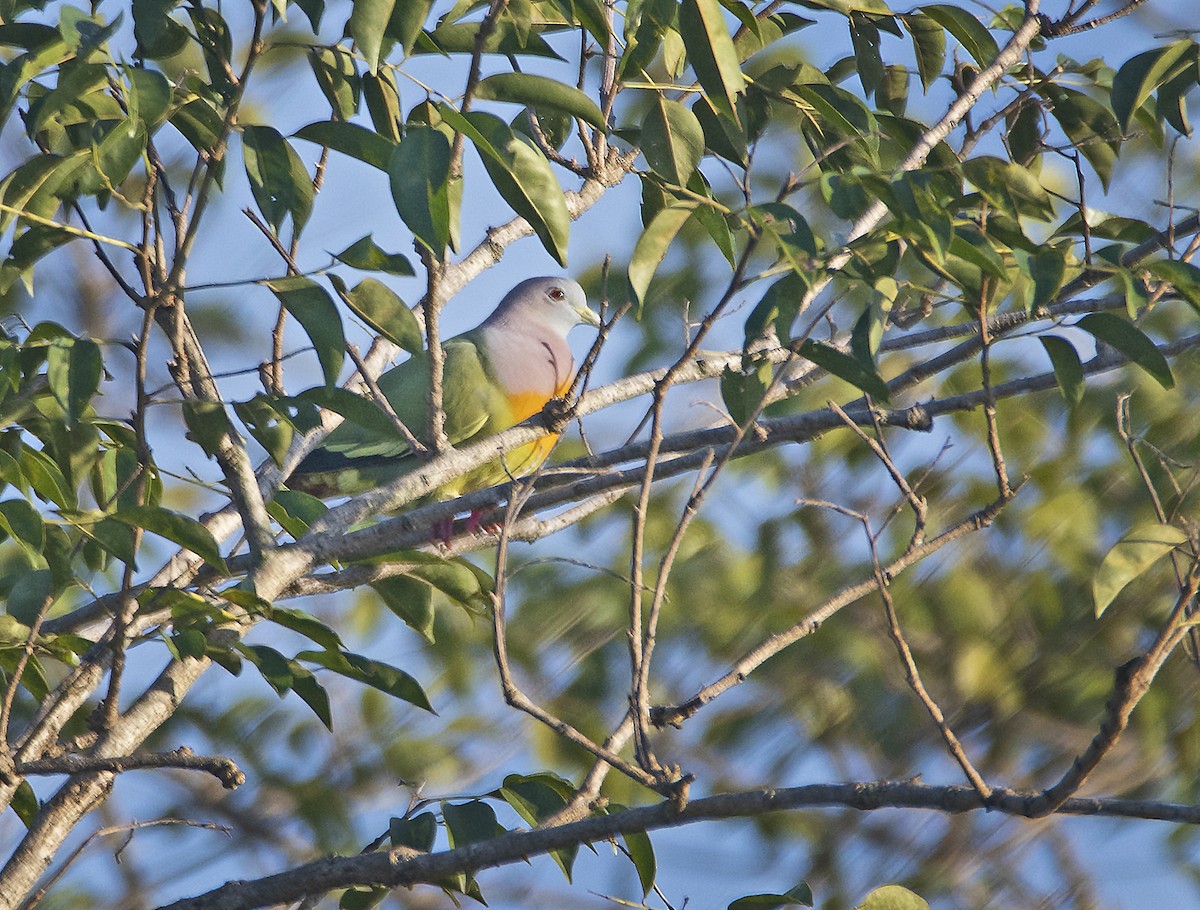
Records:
x=541, y=92
x=521, y=175
x=367, y=25
x=1130, y=557
x=712, y=54
x=672, y=140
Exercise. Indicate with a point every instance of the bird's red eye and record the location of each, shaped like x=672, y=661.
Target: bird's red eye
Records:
x=557, y=294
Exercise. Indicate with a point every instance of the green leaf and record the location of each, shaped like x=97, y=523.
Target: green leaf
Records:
x=73, y=371
x=799, y=896
x=372, y=673
x=312, y=693
x=25, y=804
x=777, y=309
x=641, y=852
x=743, y=392
x=296, y=511
x=278, y=180
x=314, y=309
x=265, y=424
x=199, y=124
x=521, y=175
x=459, y=38
x=355, y=408
x=350, y=139
x=305, y=624
x=1068, y=369
x=536, y=797
x=1140, y=76
x=846, y=367
x=46, y=478
x=1090, y=126
x=1010, y=187
x=188, y=642
x=672, y=140
x=285, y=675
x=1130, y=341
x=149, y=95
x=540, y=92
x=408, y=17
x=722, y=136
x=1049, y=270
x=379, y=307
x=383, y=103
x=179, y=529
x=30, y=595
x=470, y=823
x=788, y=232
x=410, y=599
x=22, y=523
x=416, y=833
x=367, y=25
x=274, y=667
x=246, y=599
x=114, y=538
x=117, y=153
x=651, y=247
x=970, y=32
x=419, y=170
x=1183, y=276
x=1131, y=556
x=712, y=54
x=334, y=70
x=929, y=46
x=864, y=38
x=712, y=219
x=458, y=579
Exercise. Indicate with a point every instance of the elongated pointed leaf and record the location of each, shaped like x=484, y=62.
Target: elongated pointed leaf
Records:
x=672, y=140
x=350, y=139
x=711, y=52
x=929, y=46
x=179, y=529
x=846, y=367
x=367, y=255
x=314, y=309
x=1140, y=76
x=652, y=247
x=970, y=32
x=1068, y=369
x=367, y=26
x=379, y=306
x=1183, y=276
x=372, y=673
x=540, y=92
x=419, y=170
x=1130, y=341
x=278, y=180
x=521, y=175
x=410, y=599
x=1132, y=555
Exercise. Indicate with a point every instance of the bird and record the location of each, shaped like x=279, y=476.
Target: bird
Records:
x=496, y=375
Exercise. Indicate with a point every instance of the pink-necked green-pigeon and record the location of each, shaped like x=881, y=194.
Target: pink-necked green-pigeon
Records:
x=496, y=375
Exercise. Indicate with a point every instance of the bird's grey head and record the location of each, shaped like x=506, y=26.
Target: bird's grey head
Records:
x=558, y=304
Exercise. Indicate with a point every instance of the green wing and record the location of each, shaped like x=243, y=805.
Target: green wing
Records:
x=467, y=398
